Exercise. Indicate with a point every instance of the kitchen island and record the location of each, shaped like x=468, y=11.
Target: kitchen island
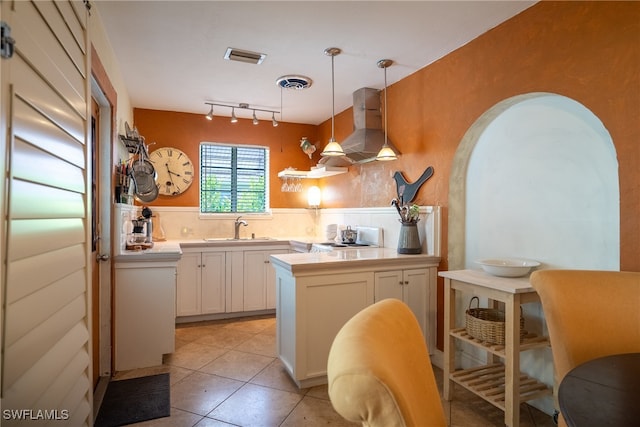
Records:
x=316, y=293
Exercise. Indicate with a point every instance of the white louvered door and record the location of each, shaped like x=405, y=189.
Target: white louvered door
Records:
x=46, y=206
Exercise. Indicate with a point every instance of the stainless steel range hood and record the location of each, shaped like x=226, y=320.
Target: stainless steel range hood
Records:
x=368, y=136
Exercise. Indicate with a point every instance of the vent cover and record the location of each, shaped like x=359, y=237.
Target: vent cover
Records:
x=294, y=82
x=249, y=57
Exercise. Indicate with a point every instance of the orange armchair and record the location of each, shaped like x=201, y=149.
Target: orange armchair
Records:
x=589, y=314
x=379, y=370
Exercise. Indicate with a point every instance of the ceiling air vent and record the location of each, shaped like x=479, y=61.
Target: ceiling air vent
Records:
x=294, y=82
x=234, y=54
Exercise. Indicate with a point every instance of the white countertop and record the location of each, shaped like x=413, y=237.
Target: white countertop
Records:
x=172, y=249
x=352, y=258
x=161, y=251
x=232, y=243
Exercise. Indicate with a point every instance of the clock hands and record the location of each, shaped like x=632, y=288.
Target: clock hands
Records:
x=170, y=182
x=170, y=171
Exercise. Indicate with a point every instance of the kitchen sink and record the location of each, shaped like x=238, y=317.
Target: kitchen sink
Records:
x=242, y=239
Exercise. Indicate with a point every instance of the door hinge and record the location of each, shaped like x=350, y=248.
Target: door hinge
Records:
x=6, y=42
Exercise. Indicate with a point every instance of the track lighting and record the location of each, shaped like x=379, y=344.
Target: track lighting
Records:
x=241, y=106
x=332, y=148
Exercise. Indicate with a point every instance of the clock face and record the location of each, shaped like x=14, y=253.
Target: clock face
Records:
x=174, y=170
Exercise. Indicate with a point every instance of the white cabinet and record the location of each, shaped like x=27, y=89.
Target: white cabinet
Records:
x=145, y=304
x=213, y=269
x=413, y=287
x=189, y=285
x=316, y=295
x=227, y=279
x=310, y=312
x=201, y=283
x=259, y=280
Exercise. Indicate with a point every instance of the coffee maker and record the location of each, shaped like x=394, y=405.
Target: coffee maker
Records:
x=142, y=233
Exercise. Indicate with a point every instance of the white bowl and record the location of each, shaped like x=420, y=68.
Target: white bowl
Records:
x=508, y=267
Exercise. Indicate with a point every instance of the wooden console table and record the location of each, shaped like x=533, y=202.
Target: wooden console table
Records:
x=500, y=381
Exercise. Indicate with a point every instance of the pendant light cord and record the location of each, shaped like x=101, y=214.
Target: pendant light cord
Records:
x=333, y=100
x=332, y=148
x=386, y=113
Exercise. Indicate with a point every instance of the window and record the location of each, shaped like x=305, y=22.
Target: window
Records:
x=233, y=178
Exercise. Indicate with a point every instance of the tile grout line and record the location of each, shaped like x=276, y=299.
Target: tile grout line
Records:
x=248, y=382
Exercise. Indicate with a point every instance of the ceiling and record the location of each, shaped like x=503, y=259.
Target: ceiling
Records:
x=171, y=53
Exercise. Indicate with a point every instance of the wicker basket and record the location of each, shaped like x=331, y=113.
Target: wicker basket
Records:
x=487, y=324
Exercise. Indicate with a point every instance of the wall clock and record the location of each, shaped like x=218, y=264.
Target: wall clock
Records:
x=174, y=170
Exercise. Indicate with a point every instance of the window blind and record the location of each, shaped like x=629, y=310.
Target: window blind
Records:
x=233, y=178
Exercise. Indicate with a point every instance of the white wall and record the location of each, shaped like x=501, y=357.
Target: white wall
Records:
x=542, y=183
x=108, y=59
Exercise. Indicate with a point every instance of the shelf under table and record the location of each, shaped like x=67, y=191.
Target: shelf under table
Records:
x=488, y=382
x=529, y=342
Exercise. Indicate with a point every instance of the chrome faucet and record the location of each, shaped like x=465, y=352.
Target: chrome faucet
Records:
x=237, y=225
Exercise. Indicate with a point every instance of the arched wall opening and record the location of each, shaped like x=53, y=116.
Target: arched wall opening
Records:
x=536, y=176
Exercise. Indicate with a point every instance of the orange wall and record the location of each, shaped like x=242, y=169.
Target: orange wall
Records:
x=185, y=131
x=587, y=51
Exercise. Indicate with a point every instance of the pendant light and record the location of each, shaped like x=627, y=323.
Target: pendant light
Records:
x=255, y=119
x=234, y=119
x=209, y=115
x=332, y=148
x=386, y=153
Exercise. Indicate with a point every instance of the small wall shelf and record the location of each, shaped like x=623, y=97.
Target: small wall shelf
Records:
x=315, y=172
x=133, y=145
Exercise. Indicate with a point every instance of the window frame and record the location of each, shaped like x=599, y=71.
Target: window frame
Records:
x=223, y=215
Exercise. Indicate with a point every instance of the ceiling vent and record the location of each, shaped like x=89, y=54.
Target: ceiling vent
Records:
x=233, y=54
x=294, y=82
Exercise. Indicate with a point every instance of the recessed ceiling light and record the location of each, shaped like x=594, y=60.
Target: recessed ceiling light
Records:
x=233, y=54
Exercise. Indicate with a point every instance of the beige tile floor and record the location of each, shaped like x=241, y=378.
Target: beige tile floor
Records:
x=226, y=373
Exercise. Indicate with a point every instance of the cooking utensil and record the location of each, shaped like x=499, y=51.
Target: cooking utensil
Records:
x=148, y=197
x=348, y=235
x=143, y=175
x=394, y=202
x=404, y=213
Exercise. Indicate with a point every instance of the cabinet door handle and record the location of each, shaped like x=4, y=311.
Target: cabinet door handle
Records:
x=406, y=282
x=400, y=283
x=266, y=262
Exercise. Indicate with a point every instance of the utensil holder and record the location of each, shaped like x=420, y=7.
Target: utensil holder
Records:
x=409, y=240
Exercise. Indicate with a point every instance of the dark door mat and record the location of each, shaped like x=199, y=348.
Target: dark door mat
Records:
x=135, y=400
